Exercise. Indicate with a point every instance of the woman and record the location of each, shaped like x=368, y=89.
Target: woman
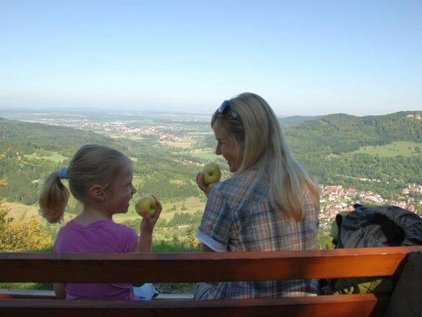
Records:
x=269, y=203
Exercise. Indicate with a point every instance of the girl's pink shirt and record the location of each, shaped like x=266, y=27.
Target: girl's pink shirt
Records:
x=103, y=236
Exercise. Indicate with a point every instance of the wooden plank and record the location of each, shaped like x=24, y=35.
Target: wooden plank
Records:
x=196, y=267
x=364, y=305
x=44, y=294
x=27, y=294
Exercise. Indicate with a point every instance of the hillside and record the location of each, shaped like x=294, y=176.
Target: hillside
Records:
x=362, y=157
x=339, y=133
x=337, y=149
x=331, y=147
x=295, y=120
x=30, y=151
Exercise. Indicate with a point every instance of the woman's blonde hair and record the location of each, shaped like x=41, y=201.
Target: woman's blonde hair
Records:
x=254, y=126
x=91, y=165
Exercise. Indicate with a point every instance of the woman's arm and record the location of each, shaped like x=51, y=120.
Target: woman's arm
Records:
x=206, y=248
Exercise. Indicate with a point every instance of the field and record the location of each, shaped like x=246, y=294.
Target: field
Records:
x=204, y=154
x=170, y=227
x=190, y=206
x=53, y=156
x=402, y=148
x=175, y=224
x=17, y=210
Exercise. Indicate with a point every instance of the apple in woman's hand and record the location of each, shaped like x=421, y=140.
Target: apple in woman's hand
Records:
x=146, y=205
x=212, y=173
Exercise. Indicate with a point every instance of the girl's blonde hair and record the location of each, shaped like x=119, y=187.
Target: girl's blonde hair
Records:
x=91, y=165
x=254, y=126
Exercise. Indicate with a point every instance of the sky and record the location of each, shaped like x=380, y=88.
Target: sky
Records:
x=304, y=57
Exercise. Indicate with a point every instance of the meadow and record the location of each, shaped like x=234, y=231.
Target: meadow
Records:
x=52, y=156
x=399, y=148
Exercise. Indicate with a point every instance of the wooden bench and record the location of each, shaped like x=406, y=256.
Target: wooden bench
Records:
x=197, y=267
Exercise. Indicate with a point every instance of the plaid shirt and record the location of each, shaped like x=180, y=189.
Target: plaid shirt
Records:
x=238, y=217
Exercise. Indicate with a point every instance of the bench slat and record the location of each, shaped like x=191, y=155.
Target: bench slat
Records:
x=197, y=267
x=312, y=306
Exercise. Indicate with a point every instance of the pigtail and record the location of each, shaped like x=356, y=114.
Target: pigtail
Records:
x=53, y=198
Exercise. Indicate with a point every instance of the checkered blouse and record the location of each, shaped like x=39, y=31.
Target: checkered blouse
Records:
x=238, y=217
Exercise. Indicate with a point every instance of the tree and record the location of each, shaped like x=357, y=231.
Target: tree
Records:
x=21, y=234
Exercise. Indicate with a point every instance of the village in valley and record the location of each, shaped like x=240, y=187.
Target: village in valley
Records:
x=335, y=199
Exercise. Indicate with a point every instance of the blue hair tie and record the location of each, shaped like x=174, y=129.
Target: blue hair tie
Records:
x=63, y=173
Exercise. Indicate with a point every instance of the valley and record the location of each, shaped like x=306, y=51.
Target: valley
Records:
x=168, y=150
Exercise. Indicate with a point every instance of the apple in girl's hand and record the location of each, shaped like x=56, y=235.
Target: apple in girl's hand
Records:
x=212, y=173
x=146, y=205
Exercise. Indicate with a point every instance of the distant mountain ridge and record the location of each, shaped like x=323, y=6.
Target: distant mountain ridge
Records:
x=345, y=133
x=295, y=120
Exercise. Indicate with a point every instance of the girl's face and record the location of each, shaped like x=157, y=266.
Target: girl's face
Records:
x=121, y=191
x=227, y=146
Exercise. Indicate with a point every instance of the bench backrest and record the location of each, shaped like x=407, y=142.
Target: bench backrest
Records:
x=197, y=267
x=207, y=267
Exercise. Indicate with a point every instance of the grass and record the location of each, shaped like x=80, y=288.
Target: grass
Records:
x=191, y=204
x=53, y=156
x=400, y=148
x=204, y=154
x=18, y=210
x=177, y=144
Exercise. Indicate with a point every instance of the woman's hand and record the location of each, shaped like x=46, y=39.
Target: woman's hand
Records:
x=200, y=182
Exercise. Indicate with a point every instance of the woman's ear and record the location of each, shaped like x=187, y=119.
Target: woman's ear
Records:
x=96, y=192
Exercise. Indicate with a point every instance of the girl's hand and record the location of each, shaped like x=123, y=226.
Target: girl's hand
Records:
x=148, y=222
x=147, y=226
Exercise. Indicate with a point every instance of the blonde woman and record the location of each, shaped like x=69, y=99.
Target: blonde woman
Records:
x=269, y=203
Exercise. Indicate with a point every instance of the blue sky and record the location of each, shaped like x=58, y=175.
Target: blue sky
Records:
x=303, y=57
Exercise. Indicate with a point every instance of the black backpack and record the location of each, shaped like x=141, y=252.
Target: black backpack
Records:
x=377, y=226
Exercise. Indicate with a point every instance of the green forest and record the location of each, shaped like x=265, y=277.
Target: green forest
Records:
x=336, y=149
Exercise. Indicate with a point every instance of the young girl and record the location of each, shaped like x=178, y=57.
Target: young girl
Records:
x=101, y=179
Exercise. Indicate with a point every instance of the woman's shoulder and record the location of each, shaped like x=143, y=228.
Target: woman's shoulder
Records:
x=244, y=179
x=242, y=185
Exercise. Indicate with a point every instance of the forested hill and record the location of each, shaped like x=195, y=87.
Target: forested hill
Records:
x=30, y=151
x=339, y=133
x=295, y=120
x=343, y=149
x=379, y=153
x=26, y=137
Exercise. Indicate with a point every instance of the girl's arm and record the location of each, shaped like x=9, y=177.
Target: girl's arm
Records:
x=59, y=290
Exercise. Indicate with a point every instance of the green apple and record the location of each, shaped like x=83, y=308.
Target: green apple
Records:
x=146, y=205
x=212, y=173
